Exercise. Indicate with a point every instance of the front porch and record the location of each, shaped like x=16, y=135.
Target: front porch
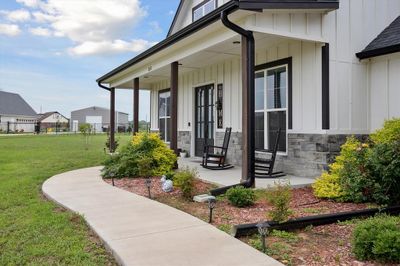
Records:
x=232, y=176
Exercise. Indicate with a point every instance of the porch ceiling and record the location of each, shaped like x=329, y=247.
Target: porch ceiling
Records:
x=209, y=56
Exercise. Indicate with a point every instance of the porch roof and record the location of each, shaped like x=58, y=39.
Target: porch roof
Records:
x=238, y=9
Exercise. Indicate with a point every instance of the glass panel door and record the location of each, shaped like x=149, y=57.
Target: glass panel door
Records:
x=204, y=131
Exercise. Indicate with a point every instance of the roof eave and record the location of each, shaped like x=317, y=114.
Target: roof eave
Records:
x=289, y=4
x=378, y=52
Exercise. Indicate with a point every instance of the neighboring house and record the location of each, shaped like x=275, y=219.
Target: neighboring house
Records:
x=53, y=121
x=99, y=118
x=305, y=75
x=16, y=115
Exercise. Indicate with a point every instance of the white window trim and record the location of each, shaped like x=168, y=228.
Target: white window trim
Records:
x=166, y=117
x=201, y=6
x=265, y=110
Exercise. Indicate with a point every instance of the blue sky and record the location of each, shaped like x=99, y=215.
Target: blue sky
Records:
x=52, y=51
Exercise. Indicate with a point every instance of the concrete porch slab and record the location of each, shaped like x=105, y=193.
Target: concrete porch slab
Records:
x=232, y=176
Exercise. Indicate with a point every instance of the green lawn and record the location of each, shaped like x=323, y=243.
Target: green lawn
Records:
x=33, y=230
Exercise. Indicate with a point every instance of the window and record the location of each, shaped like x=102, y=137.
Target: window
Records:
x=164, y=115
x=271, y=89
x=203, y=9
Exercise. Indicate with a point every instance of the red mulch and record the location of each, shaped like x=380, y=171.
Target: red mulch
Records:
x=322, y=245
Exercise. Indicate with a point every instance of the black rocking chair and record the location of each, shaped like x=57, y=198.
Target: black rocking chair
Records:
x=265, y=166
x=217, y=159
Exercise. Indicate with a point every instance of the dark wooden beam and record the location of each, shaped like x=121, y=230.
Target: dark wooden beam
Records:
x=174, y=106
x=325, y=88
x=112, y=120
x=135, y=105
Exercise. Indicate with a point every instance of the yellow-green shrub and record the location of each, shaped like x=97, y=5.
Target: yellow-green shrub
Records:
x=328, y=186
x=146, y=146
x=389, y=133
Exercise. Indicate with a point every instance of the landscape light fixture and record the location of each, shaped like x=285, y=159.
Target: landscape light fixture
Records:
x=112, y=175
x=211, y=206
x=148, y=185
x=263, y=228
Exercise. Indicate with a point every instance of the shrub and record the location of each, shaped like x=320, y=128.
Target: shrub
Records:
x=184, y=180
x=240, y=196
x=161, y=159
x=377, y=238
x=279, y=196
x=389, y=133
x=384, y=160
x=328, y=186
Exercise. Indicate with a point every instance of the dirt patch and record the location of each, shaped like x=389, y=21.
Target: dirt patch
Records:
x=322, y=245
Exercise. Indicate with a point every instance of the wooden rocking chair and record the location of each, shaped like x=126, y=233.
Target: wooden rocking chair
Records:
x=265, y=166
x=217, y=159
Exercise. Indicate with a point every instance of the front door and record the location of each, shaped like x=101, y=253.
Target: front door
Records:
x=204, y=125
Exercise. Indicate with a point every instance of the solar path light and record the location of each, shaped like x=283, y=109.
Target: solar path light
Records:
x=263, y=228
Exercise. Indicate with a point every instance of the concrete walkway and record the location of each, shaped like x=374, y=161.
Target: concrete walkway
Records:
x=139, y=231
x=232, y=176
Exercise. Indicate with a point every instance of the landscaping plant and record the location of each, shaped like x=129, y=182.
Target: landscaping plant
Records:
x=184, y=180
x=240, y=196
x=365, y=172
x=279, y=197
x=86, y=131
x=377, y=238
x=161, y=158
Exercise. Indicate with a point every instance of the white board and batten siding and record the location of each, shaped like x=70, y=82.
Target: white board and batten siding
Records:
x=385, y=89
x=349, y=30
x=227, y=72
x=356, y=102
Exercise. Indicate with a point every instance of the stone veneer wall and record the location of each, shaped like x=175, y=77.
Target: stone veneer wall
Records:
x=309, y=154
x=235, y=146
x=184, y=141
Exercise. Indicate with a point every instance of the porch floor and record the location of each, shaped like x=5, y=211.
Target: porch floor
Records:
x=232, y=176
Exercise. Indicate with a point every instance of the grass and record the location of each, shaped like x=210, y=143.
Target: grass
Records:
x=33, y=230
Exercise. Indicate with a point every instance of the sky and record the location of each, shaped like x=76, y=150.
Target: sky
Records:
x=52, y=51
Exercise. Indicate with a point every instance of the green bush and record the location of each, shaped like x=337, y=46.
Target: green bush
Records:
x=389, y=133
x=240, y=196
x=184, y=180
x=160, y=158
x=365, y=172
x=279, y=196
x=377, y=238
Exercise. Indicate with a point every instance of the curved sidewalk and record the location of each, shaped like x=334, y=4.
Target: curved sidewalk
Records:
x=139, y=231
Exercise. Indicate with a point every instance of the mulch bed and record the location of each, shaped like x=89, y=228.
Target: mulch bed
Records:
x=322, y=245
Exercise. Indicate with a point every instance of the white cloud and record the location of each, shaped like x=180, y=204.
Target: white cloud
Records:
x=19, y=15
x=9, y=29
x=155, y=27
x=30, y=3
x=39, y=31
x=110, y=47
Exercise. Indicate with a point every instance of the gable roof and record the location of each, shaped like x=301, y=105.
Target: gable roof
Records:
x=47, y=114
x=178, y=11
x=387, y=42
x=97, y=108
x=14, y=104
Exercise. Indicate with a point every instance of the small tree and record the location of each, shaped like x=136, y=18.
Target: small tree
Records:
x=86, y=131
x=279, y=196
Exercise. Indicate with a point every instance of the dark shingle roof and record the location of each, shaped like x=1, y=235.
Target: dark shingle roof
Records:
x=387, y=42
x=14, y=104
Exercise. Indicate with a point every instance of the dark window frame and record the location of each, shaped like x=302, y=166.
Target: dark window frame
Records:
x=202, y=4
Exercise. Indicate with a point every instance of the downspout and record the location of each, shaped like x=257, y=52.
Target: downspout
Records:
x=250, y=123
x=112, y=115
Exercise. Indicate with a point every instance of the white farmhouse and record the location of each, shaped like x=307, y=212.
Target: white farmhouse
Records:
x=319, y=70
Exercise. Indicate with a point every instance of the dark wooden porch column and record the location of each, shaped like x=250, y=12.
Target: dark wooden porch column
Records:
x=112, y=120
x=135, y=105
x=174, y=106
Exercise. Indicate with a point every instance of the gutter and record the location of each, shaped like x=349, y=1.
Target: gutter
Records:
x=250, y=97
x=103, y=87
x=378, y=52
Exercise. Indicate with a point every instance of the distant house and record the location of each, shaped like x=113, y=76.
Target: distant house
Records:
x=16, y=114
x=53, y=121
x=99, y=118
